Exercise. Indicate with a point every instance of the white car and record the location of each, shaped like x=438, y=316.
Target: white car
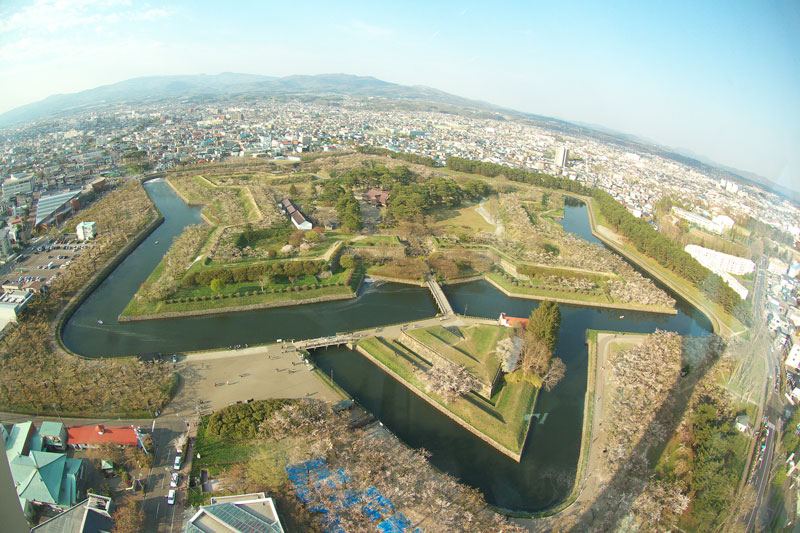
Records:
x=173, y=482
x=171, y=497
x=177, y=465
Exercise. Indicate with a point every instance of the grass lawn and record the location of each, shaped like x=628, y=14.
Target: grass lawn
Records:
x=376, y=240
x=465, y=217
x=215, y=454
x=139, y=307
x=504, y=421
x=474, y=349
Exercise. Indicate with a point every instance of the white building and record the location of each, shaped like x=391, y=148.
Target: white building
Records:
x=715, y=260
x=793, y=359
x=562, y=156
x=777, y=266
x=11, y=305
x=5, y=242
x=17, y=185
x=698, y=220
x=86, y=231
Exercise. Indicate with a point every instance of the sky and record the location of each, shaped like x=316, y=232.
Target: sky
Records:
x=718, y=79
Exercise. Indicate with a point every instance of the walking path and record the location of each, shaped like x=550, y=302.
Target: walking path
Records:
x=438, y=295
x=497, y=223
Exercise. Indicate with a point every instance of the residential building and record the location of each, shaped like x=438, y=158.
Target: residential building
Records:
x=298, y=219
x=715, y=260
x=776, y=266
x=5, y=242
x=86, y=231
x=92, y=515
x=254, y=513
x=17, y=185
x=41, y=477
x=698, y=220
x=377, y=197
x=793, y=359
x=512, y=321
x=93, y=436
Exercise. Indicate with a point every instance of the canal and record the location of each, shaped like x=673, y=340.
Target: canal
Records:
x=547, y=470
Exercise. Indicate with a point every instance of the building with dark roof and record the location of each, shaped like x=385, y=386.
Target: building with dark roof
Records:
x=244, y=513
x=92, y=515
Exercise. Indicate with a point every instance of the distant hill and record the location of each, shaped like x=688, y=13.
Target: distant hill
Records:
x=154, y=88
x=234, y=85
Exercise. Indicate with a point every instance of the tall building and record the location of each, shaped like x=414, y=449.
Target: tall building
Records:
x=562, y=155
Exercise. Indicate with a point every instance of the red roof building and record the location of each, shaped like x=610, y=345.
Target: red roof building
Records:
x=512, y=321
x=95, y=435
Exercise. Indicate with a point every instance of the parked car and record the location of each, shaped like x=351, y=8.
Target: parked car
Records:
x=175, y=480
x=171, y=497
x=178, y=461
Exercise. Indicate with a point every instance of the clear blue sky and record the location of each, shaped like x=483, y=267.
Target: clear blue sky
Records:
x=721, y=79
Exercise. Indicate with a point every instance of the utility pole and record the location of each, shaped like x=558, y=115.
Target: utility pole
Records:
x=57, y=413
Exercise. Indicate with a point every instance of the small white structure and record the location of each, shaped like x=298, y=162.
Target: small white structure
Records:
x=86, y=231
x=793, y=359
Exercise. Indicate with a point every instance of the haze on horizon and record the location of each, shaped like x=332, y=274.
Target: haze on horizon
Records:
x=717, y=80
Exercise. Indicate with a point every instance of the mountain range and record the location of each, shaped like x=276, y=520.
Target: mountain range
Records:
x=163, y=88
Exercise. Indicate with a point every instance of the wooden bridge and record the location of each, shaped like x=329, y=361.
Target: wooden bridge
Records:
x=439, y=297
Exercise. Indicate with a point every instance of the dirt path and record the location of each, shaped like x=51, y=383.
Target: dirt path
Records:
x=497, y=223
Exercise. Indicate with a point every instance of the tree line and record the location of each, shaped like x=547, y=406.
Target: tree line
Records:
x=650, y=242
x=493, y=170
x=255, y=272
x=411, y=158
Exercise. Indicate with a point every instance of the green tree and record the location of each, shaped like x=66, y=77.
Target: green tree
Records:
x=217, y=285
x=545, y=322
x=292, y=190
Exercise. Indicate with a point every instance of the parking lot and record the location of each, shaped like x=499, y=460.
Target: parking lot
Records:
x=44, y=260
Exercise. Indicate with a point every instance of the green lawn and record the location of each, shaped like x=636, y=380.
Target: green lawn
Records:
x=464, y=217
x=474, y=349
x=215, y=454
x=376, y=240
x=504, y=421
x=137, y=307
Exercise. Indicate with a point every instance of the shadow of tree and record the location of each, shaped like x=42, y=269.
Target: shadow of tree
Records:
x=616, y=498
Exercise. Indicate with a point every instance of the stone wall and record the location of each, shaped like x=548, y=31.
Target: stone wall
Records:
x=428, y=353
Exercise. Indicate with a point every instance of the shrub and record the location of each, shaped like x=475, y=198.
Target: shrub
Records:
x=240, y=421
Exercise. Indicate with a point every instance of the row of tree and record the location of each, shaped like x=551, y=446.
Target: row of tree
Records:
x=493, y=170
x=256, y=272
x=650, y=242
x=411, y=158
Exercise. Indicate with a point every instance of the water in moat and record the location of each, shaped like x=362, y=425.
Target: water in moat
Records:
x=547, y=470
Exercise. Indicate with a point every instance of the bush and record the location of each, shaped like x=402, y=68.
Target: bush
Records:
x=240, y=421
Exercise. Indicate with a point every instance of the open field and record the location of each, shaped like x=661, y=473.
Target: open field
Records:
x=465, y=217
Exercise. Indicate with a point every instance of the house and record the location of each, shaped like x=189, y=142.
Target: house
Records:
x=793, y=359
x=742, y=423
x=93, y=436
x=41, y=477
x=377, y=197
x=512, y=321
x=297, y=218
x=35, y=287
x=245, y=512
x=92, y=515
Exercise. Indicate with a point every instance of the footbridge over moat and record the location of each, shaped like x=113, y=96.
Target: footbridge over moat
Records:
x=438, y=295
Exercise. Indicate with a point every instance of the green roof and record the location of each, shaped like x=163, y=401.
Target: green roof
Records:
x=51, y=429
x=38, y=476
x=17, y=439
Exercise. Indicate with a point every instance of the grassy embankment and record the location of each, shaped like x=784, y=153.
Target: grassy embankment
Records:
x=501, y=418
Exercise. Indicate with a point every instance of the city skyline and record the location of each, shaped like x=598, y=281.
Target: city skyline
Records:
x=719, y=84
